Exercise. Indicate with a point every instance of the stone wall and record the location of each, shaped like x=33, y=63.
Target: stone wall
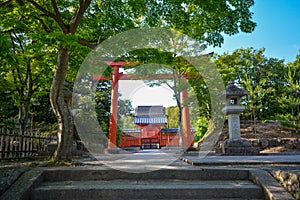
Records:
x=266, y=143
x=290, y=181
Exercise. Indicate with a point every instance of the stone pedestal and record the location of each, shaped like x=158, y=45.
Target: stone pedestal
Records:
x=235, y=147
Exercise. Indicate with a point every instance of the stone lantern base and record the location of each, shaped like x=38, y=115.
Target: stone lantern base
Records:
x=237, y=147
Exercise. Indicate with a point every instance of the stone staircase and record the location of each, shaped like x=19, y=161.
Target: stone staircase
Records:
x=83, y=183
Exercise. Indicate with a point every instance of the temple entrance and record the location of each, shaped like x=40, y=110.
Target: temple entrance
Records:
x=152, y=117
x=150, y=143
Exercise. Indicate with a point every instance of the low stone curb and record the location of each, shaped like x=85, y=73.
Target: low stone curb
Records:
x=19, y=190
x=291, y=159
x=273, y=190
x=8, y=175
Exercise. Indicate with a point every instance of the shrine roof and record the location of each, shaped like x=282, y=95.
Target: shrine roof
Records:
x=163, y=130
x=174, y=130
x=150, y=115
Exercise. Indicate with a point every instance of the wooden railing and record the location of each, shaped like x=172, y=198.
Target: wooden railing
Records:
x=14, y=145
x=150, y=143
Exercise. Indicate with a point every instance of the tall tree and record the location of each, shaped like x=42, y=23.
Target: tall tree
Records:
x=289, y=95
x=24, y=77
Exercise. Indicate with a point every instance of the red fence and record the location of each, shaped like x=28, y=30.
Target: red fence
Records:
x=166, y=139
x=129, y=141
x=170, y=139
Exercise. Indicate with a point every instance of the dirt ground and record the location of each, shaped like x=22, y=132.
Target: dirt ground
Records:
x=266, y=131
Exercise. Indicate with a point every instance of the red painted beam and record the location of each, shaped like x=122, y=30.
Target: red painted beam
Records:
x=122, y=76
x=136, y=77
x=101, y=77
x=120, y=63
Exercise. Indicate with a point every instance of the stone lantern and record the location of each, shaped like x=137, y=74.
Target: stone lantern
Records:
x=235, y=145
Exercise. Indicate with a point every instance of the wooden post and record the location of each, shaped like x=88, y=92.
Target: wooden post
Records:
x=23, y=144
x=11, y=140
x=6, y=146
x=188, y=137
x=112, y=134
x=1, y=146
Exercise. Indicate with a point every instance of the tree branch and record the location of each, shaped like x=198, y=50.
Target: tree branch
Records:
x=28, y=75
x=20, y=77
x=18, y=89
x=57, y=18
x=5, y=2
x=12, y=42
x=43, y=24
x=55, y=8
x=74, y=22
x=87, y=43
x=39, y=7
x=14, y=29
x=19, y=41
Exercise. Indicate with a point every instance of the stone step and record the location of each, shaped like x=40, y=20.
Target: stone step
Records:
x=206, y=183
x=78, y=174
x=147, y=189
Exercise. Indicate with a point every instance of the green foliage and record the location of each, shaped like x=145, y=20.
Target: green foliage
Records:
x=172, y=116
x=102, y=104
x=125, y=114
x=201, y=128
x=273, y=86
x=7, y=110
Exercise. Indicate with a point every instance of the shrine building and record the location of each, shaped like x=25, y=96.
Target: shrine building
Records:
x=150, y=132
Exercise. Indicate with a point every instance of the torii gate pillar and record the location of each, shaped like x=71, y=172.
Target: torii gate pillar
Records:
x=187, y=135
x=113, y=119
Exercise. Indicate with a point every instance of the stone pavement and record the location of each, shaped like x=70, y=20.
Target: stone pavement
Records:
x=138, y=162
x=263, y=159
x=150, y=160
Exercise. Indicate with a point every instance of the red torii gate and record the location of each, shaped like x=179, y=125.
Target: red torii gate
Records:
x=116, y=76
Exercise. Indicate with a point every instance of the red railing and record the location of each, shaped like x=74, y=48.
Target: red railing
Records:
x=169, y=139
x=166, y=139
x=129, y=141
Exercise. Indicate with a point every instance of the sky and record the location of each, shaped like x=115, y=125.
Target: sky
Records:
x=141, y=94
x=277, y=30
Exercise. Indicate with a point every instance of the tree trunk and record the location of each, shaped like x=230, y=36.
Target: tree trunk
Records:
x=180, y=125
x=65, y=126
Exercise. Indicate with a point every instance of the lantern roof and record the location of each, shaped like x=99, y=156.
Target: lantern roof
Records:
x=233, y=90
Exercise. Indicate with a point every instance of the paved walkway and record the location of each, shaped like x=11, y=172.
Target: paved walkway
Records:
x=292, y=159
x=150, y=160
x=140, y=162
